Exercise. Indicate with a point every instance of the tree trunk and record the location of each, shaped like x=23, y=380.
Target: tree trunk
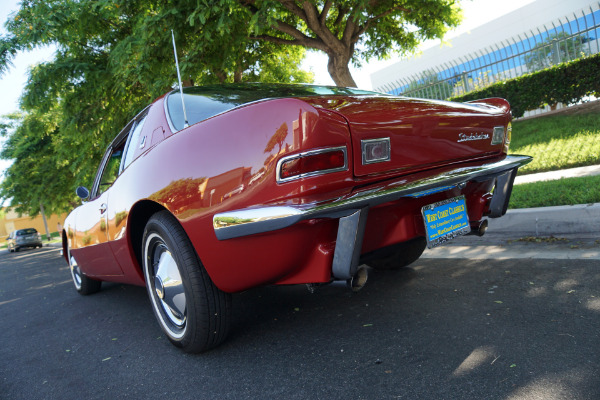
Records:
x=338, y=69
x=45, y=222
x=238, y=75
x=221, y=76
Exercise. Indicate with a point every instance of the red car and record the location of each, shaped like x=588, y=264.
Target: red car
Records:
x=250, y=185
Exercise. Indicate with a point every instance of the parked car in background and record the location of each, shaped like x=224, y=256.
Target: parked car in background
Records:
x=251, y=185
x=20, y=238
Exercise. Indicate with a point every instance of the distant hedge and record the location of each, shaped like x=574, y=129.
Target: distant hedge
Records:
x=563, y=83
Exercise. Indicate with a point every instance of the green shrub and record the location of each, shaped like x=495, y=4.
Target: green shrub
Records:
x=565, y=83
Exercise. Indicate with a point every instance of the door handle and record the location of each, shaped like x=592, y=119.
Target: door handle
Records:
x=102, y=208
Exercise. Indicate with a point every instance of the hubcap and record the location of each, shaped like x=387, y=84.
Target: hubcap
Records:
x=159, y=287
x=75, y=272
x=168, y=285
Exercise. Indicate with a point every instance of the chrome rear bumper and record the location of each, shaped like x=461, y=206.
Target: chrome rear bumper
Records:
x=352, y=209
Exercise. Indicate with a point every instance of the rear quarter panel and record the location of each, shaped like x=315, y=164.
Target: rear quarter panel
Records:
x=228, y=162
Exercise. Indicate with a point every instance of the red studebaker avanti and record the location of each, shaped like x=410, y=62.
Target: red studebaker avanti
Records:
x=250, y=185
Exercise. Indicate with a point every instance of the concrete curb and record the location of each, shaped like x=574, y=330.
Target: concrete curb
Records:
x=546, y=221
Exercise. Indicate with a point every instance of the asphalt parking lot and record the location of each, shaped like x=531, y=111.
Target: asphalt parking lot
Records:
x=447, y=328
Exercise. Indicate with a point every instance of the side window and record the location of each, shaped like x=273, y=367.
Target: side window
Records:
x=111, y=169
x=133, y=143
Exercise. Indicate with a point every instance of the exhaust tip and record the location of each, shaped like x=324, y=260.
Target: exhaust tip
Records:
x=482, y=227
x=479, y=228
x=359, y=279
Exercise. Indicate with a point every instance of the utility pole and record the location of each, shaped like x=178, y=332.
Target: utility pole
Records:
x=45, y=222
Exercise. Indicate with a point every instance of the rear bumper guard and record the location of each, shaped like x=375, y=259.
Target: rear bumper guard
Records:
x=352, y=209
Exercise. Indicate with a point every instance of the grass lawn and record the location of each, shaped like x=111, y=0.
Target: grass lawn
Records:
x=561, y=192
x=557, y=142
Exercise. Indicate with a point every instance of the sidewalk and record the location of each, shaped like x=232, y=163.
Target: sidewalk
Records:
x=564, y=173
x=579, y=219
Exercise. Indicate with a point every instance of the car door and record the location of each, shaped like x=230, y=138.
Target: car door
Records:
x=93, y=230
x=91, y=225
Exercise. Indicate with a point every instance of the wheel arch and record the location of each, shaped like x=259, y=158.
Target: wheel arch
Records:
x=65, y=245
x=139, y=215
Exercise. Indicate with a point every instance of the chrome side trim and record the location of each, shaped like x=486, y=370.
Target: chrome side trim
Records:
x=310, y=153
x=260, y=219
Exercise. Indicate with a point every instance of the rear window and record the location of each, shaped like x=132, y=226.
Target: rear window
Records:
x=27, y=231
x=203, y=102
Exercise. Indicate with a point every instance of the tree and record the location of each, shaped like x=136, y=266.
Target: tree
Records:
x=557, y=48
x=35, y=173
x=346, y=30
x=113, y=57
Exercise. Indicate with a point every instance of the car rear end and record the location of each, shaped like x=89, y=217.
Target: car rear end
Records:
x=423, y=141
x=412, y=168
x=28, y=238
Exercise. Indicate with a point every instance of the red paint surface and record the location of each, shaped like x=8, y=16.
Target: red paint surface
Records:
x=229, y=161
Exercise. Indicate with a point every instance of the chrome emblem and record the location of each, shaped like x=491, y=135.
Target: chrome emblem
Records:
x=463, y=137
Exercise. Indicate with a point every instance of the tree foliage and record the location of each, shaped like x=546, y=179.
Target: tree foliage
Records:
x=113, y=57
x=557, y=48
x=34, y=173
x=346, y=30
x=429, y=86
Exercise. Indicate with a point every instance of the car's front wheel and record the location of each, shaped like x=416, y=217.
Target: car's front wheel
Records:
x=83, y=284
x=191, y=310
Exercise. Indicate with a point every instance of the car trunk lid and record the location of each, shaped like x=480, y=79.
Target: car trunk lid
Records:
x=422, y=133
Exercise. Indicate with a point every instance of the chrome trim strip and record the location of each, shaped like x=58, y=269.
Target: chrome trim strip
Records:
x=310, y=153
x=260, y=219
x=167, y=115
x=367, y=141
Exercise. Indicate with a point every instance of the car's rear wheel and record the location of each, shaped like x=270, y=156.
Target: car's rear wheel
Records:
x=83, y=284
x=399, y=255
x=191, y=310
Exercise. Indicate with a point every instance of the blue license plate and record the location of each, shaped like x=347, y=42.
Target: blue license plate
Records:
x=445, y=220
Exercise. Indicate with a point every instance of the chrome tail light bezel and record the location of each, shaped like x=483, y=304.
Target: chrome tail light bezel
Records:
x=364, y=146
x=310, y=153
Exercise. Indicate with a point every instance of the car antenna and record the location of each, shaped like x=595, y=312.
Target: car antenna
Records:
x=185, y=120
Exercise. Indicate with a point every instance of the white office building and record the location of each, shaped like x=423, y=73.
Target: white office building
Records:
x=533, y=37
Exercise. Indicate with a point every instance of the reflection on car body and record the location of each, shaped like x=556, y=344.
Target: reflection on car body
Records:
x=281, y=184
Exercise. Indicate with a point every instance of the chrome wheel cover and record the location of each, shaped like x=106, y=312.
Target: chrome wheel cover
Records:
x=165, y=285
x=75, y=272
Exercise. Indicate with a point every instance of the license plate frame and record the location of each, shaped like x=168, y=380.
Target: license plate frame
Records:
x=445, y=220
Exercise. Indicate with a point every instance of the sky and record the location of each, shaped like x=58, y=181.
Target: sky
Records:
x=476, y=13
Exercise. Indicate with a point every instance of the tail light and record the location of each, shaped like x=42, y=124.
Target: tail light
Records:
x=311, y=163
